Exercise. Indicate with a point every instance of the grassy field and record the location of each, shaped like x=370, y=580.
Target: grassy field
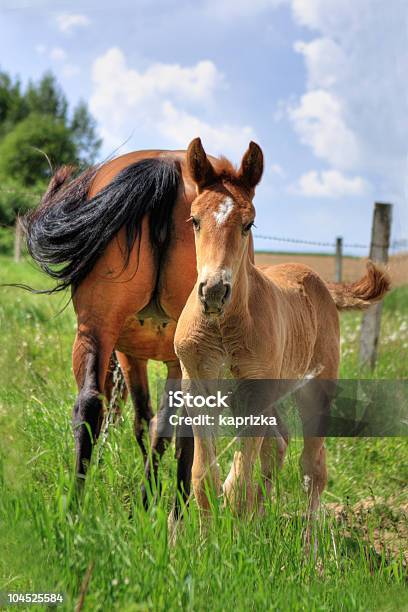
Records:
x=47, y=543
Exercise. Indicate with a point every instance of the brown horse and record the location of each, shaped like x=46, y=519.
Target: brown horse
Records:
x=117, y=237
x=280, y=322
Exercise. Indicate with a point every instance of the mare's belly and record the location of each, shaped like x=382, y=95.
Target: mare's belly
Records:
x=147, y=339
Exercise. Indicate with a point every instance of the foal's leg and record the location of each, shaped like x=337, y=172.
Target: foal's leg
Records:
x=238, y=487
x=314, y=402
x=205, y=470
x=314, y=471
x=272, y=456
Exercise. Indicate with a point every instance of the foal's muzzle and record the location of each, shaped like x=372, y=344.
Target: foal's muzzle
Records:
x=214, y=294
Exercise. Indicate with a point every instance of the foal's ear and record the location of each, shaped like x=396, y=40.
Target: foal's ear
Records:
x=252, y=164
x=199, y=166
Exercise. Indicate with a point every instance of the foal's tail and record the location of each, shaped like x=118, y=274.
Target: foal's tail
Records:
x=370, y=289
x=68, y=232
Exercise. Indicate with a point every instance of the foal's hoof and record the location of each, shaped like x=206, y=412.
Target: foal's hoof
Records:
x=239, y=499
x=173, y=524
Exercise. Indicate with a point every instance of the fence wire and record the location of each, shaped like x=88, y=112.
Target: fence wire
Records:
x=395, y=244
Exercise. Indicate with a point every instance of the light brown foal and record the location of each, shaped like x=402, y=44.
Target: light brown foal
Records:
x=278, y=322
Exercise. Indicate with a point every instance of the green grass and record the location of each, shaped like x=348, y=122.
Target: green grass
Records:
x=47, y=542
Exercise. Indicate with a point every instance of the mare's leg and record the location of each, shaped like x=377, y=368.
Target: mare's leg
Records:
x=135, y=373
x=91, y=354
x=185, y=458
x=161, y=430
x=110, y=390
x=102, y=307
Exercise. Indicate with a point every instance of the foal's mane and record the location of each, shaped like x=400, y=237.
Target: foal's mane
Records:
x=226, y=171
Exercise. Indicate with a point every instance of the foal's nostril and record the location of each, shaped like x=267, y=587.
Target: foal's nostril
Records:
x=200, y=290
x=227, y=291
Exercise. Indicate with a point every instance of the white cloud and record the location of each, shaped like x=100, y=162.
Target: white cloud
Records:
x=181, y=127
x=329, y=184
x=325, y=62
x=169, y=100
x=320, y=123
x=57, y=54
x=69, y=21
x=111, y=74
x=334, y=16
x=353, y=114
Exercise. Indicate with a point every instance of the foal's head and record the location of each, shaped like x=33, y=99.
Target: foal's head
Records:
x=222, y=215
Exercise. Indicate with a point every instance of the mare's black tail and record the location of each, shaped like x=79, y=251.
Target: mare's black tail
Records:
x=68, y=232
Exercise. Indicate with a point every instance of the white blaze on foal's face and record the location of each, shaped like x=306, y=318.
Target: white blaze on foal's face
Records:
x=224, y=210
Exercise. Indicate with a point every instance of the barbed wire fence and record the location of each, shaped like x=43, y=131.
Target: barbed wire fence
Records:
x=395, y=244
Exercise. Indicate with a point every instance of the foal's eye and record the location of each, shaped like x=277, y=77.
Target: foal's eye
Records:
x=248, y=227
x=196, y=223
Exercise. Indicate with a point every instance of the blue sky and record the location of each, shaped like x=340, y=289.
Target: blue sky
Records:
x=319, y=84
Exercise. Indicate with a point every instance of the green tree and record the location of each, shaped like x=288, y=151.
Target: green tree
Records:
x=24, y=150
x=13, y=107
x=37, y=128
x=16, y=199
x=46, y=98
x=83, y=127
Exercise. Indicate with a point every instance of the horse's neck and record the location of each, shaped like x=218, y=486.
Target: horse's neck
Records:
x=241, y=290
x=248, y=282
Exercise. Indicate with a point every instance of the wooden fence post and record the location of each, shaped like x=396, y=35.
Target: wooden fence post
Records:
x=339, y=259
x=18, y=236
x=380, y=242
